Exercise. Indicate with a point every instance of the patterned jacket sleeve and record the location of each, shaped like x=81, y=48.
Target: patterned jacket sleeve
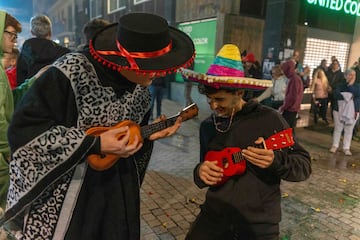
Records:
x=42, y=137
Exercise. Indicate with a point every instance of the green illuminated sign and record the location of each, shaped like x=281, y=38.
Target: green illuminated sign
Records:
x=351, y=7
x=203, y=34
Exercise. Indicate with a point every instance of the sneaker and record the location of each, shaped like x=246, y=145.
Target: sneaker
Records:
x=333, y=149
x=347, y=152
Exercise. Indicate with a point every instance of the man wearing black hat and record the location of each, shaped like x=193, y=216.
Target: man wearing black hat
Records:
x=58, y=181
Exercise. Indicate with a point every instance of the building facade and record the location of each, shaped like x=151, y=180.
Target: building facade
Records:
x=271, y=29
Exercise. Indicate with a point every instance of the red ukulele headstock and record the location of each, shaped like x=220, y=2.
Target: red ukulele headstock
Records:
x=280, y=140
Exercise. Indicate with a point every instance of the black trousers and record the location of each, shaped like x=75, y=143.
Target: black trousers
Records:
x=212, y=226
x=290, y=118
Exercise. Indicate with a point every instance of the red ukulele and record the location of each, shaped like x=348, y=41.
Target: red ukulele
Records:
x=231, y=160
x=103, y=162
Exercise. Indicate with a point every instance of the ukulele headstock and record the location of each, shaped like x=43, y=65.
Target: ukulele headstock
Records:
x=189, y=112
x=280, y=140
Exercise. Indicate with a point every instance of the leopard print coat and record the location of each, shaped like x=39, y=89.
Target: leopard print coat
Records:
x=48, y=173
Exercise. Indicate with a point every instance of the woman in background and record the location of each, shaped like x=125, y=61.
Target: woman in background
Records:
x=274, y=96
x=320, y=91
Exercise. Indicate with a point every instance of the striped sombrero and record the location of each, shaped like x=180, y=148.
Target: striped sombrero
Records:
x=227, y=71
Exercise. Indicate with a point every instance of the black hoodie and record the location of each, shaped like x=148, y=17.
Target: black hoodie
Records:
x=35, y=54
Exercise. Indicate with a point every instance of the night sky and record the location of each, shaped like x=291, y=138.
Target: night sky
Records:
x=22, y=11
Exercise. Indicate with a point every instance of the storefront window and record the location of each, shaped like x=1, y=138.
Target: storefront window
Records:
x=318, y=49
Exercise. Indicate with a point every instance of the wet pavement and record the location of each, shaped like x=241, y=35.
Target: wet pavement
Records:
x=326, y=206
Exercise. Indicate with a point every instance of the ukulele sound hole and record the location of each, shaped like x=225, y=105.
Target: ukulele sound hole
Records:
x=225, y=163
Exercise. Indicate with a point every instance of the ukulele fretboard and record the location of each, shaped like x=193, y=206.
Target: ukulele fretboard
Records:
x=147, y=130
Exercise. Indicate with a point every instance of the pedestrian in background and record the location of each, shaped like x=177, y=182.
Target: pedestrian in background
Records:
x=38, y=51
x=252, y=69
x=9, y=63
x=320, y=90
x=335, y=77
x=248, y=204
x=9, y=29
x=356, y=67
x=294, y=94
x=89, y=30
x=274, y=96
x=9, y=98
x=323, y=65
x=157, y=89
x=346, y=111
x=305, y=77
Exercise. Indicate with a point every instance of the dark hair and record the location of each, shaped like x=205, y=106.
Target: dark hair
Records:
x=206, y=89
x=93, y=26
x=11, y=21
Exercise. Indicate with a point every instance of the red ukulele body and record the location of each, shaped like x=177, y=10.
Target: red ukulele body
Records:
x=233, y=163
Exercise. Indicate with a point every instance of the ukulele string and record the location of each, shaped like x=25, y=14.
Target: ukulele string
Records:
x=238, y=157
x=148, y=130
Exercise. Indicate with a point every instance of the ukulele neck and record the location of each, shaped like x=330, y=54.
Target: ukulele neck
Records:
x=148, y=130
x=238, y=157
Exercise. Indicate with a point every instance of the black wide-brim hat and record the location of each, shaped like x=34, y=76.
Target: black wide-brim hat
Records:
x=144, y=43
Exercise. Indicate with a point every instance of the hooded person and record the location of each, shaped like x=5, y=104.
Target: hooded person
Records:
x=39, y=51
x=240, y=158
x=293, y=95
x=60, y=188
x=9, y=28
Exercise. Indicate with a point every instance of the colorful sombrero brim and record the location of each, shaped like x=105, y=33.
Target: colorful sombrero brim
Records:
x=226, y=81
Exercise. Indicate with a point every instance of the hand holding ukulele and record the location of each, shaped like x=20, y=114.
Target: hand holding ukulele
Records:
x=126, y=137
x=232, y=160
x=112, y=144
x=210, y=173
x=260, y=157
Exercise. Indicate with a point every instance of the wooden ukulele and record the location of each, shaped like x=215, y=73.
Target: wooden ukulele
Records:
x=105, y=161
x=231, y=160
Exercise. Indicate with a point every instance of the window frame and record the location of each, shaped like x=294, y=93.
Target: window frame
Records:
x=136, y=2
x=98, y=12
x=118, y=7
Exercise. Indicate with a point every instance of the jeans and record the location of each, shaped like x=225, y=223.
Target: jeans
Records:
x=157, y=93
